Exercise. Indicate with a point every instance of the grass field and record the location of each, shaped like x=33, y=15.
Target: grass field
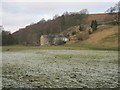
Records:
x=59, y=66
x=67, y=47
x=21, y=47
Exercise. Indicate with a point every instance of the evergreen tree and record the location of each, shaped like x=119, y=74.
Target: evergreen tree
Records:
x=94, y=25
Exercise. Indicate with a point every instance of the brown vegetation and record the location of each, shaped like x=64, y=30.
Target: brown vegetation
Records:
x=106, y=36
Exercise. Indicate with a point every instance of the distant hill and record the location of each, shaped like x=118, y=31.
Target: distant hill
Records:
x=59, y=24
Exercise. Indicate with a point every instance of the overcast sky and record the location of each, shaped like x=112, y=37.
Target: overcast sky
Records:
x=17, y=14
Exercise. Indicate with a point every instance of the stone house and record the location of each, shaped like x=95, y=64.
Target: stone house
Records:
x=47, y=40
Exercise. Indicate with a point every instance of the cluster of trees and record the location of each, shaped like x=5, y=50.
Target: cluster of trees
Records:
x=7, y=38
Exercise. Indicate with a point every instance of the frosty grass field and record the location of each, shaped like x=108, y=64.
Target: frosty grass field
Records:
x=60, y=68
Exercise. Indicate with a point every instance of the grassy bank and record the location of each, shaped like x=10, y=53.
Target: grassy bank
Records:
x=93, y=47
x=20, y=47
x=72, y=47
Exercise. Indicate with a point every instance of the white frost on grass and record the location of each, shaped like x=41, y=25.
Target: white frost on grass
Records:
x=60, y=68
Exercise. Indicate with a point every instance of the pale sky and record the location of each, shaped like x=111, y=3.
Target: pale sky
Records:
x=15, y=14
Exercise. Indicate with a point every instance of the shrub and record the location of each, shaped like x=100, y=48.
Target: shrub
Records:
x=73, y=33
x=81, y=28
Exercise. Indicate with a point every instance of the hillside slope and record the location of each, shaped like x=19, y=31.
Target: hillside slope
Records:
x=105, y=37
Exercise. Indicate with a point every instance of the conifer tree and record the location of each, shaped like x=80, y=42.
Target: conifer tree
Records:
x=94, y=25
